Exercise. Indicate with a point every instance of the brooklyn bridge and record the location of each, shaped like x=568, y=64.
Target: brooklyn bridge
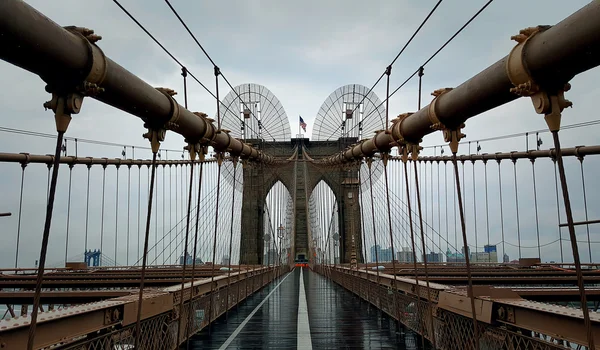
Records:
x=216, y=220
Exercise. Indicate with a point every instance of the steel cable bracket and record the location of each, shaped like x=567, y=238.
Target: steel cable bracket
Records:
x=96, y=68
x=432, y=110
x=549, y=101
x=175, y=108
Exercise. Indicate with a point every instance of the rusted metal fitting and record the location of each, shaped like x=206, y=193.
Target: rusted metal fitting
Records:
x=205, y=140
x=550, y=103
x=63, y=105
x=414, y=150
x=220, y=157
x=453, y=137
x=155, y=136
x=404, y=153
x=431, y=111
x=385, y=156
x=234, y=160
x=97, y=67
x=193, y=149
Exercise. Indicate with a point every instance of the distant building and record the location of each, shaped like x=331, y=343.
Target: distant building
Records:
x=385, y=255
x=405, y=256
x=489, y=254
x=189, y=260
x=375, y=253
x=506, y=258
x=455, y=257
x=381, y=255
x=225, y=260
x=434, y=257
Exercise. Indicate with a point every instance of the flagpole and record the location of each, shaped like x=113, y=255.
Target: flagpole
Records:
x=299, y=133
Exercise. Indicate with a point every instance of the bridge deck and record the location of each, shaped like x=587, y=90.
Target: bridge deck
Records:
x=275, y=318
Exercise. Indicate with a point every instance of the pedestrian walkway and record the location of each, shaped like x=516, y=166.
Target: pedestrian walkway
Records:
x=312, y=313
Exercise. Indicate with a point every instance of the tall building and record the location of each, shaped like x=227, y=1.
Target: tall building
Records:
x=385, y=255
x=189, y=261
x=375, y=253
x=489, y=254
x=506, y=258
x=405, y=256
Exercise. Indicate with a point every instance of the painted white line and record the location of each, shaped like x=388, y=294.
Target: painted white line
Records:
x=243, y=324
x=304, y=339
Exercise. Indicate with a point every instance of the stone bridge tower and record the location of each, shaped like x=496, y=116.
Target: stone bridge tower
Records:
x=300, y=174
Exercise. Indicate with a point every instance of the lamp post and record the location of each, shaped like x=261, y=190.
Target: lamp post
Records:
x=280, y=233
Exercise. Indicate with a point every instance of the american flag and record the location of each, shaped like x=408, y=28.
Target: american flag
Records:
x=302, y=124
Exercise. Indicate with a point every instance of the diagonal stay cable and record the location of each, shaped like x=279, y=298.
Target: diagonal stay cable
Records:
x=172, y=56
x=393, y=61
x=213, y=63
x=431, y=57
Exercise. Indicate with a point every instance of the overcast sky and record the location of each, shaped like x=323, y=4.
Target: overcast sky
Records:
x=301, y=51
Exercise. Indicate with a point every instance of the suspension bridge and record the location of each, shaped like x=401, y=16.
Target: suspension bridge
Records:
x=255, y=237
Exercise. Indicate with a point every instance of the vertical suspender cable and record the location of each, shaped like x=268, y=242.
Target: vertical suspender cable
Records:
x=128, y=207
x=573, y=237
x=87, y=206
x=429, y=301
x=587, y=226
x=446, y=205
x=139, y=201
x=517, y=205
x=369, y=164
x=170, y=212
x=175, y=228
x=156, y=222
x=455, y=177
x=501, y=208
x=163, y=213
x=190, y=319
x=68, y=215
x=560, y=239
x=214, y=250
x=363, y=230
x=48, y=182
x=412, y=240
x=23, y=166
x=185, y=253
x=102, y=213
x=432, y=213
x=439, y=210
x=487, y=208
x=117, y=214
x=475, y=211
x=45, y=238
x=145, y=252
x=535, y=204
x=466, y=253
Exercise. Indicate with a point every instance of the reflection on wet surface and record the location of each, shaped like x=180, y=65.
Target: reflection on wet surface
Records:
x=338, y=320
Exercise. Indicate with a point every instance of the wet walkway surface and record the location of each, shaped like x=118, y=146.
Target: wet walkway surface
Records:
x=322, y=315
